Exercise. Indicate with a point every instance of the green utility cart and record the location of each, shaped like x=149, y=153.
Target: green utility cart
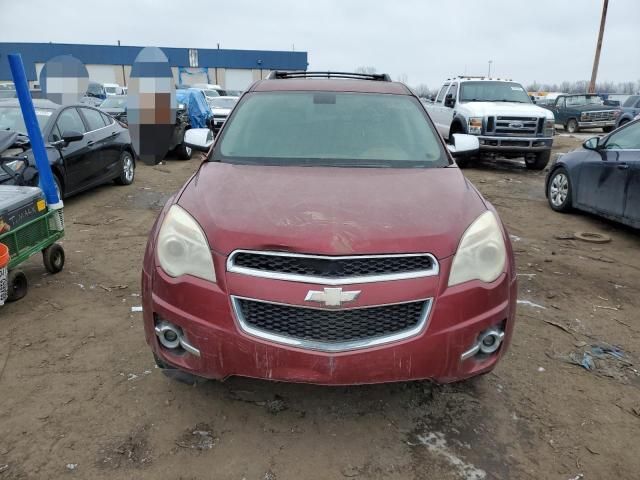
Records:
x=28, y=227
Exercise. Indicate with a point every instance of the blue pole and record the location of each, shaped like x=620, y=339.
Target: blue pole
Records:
x=33, y=130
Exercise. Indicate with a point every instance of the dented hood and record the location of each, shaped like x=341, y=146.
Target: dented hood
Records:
x=331, y=210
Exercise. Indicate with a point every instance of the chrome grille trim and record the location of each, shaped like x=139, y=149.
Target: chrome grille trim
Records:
x=598, y=115
x=292, y=277
x=334, y=346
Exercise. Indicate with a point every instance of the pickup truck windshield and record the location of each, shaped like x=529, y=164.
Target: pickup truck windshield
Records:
x=330, y=129
x=578, y=100
x=493, y=92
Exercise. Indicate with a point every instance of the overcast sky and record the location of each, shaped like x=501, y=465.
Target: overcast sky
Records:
x=426, y=40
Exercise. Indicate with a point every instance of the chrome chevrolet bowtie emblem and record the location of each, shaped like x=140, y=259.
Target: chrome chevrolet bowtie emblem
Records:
x=331, y=297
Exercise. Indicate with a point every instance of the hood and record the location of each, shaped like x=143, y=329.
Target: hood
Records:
x=332, y=211
x=483, y=109
x=591, y=108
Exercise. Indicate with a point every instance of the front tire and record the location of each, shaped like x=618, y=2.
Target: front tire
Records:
x=127, y=169
x=559, y=190
x=183, y=152
x=53, y=258
x=539, y=161
x=18, y=285
x=608, y=129
x=572, y=126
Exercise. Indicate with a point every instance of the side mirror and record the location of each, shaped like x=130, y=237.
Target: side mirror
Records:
x=72, y=136
x=199, y=139
x=449, y=101
x=592, y=143
x=463, y=144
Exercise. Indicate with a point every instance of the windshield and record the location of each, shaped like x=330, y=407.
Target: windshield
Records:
x=221, y=102
x=631, y=101
x=114, y=102
x=210, y=93
x=330, y=129
x=112, y=90
x=493, y=92
x=11, y=119
x=577, y=100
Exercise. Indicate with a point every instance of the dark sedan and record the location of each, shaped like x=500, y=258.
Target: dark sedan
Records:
x=86, y=147
x=602, y=178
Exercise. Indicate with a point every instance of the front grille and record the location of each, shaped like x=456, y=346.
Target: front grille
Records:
x=347, y=269
x=598, y=116
x=329, y=329
x=513, y=126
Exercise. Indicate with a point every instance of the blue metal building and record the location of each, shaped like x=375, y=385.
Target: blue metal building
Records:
x=112, y=63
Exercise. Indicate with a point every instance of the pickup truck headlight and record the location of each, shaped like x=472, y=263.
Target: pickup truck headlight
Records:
x=583, y=116
x=475, y=125
x=549, y=127
x=481, y=254
x=183, y=248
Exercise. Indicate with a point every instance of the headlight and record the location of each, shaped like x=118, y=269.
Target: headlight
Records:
x=475, y=125
x=182, y=247
x=549, y=127
x=16, y=165
x=583, y=116
x=481, y=254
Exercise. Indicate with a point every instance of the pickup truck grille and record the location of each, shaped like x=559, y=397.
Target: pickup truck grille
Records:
x=598, y=116
x=330, y=330
x=330, y=270
x=514, y=126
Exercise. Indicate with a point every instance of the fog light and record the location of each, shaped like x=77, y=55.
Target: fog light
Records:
x=173, y=338
x=487, y=343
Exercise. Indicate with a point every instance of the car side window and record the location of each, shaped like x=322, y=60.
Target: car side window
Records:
x=454, y=91
x=107, y=119
x=638, y=104
x=627, y=138
x=93, y=118
x=560, y=103
x=55, y=134
x=441, y=93
x=70, y=121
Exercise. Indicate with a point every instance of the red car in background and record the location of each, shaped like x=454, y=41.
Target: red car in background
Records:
x=329, y=238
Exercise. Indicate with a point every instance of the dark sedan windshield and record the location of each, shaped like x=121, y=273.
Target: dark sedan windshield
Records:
x=328, y=128
x=11, y=119
x=493, y=92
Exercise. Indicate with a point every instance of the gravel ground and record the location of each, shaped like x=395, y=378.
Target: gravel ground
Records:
x=80, y=396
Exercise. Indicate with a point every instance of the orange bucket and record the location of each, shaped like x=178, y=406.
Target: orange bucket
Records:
x=4, y=255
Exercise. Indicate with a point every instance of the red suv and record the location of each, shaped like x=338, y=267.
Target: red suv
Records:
x=329, y=238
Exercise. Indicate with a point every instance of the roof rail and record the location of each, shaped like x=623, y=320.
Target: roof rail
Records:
x=380, y=77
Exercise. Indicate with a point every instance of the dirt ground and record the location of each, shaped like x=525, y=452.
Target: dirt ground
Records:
x=80, y=397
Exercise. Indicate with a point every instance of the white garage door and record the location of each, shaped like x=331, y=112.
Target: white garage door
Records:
x=104, y=73
x=238, y=79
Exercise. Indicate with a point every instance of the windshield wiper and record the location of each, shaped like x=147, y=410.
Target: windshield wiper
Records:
x=509, y=101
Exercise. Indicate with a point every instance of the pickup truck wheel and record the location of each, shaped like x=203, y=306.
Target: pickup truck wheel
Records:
x=608, y=129
x=572, y=126
x=539, y=161
x=183, y=152
x=559, y=190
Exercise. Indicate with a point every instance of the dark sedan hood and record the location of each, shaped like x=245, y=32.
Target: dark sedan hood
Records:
x=328, y=210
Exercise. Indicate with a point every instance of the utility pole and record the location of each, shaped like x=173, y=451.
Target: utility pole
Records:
x=596, y=60
x=489, y=74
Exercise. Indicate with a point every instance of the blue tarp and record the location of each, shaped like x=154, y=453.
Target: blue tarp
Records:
x=197, y=106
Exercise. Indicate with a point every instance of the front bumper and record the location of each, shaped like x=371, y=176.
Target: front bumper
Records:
x=514, y=144
x=598, y=124
x=204, y=312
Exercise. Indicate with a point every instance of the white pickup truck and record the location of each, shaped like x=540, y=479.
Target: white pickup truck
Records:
x=500, y=113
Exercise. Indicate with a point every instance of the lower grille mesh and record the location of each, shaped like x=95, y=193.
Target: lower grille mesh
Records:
x=330, y=326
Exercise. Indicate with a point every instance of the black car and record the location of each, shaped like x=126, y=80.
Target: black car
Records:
x=86, y=147
x=602, y=178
